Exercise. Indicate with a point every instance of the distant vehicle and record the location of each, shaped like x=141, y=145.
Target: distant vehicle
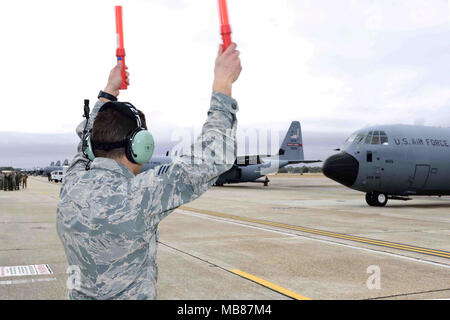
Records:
x=394, y=162
x=250, y=168
x=58, y=175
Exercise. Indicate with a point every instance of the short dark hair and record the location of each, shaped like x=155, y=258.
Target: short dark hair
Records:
x=112, y=126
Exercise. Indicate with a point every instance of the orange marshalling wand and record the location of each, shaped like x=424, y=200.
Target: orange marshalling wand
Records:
x=225, y=29
x=120, y=52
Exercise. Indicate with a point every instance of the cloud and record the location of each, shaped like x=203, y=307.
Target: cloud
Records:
x=336, y=66
x=27, y=150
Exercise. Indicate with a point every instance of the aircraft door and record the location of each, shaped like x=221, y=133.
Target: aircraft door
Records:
x=420, y=176
x=376, y=145
x=373, y=163
x=388, y=171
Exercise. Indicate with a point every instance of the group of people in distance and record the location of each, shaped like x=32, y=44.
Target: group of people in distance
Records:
x=13, y=180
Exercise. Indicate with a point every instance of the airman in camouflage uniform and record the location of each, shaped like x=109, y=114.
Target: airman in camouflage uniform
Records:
x=18, y=179
x=107, y=217
x=24, y=180
x=11, y=181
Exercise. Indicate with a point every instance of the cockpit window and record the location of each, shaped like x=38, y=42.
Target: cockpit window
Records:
x=350, y=139
x=369, y=138
x=355, y=138
x=359, y=138
x=383, y=138
x=377, y=137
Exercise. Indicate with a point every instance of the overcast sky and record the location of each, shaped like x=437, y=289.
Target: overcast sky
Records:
x=335, y=66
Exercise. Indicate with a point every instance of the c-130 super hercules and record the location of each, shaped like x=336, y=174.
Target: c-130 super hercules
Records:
x=252, y=168
x=394, y=162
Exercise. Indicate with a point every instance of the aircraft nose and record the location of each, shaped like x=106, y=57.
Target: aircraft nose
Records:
x=342, y=168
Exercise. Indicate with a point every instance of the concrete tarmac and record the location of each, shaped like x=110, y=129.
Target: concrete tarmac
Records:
x=302, y=237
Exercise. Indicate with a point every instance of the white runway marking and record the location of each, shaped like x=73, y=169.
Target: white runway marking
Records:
x=315, y=239
x=8, y=282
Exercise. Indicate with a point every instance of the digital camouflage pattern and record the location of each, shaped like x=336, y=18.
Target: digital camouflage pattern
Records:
x=107, y=218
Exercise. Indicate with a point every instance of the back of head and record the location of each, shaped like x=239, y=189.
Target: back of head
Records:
x=112, y=126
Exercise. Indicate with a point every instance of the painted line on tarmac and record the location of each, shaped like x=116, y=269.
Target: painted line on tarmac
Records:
x=397, y=255
x=9, y=282
x=269, y=285
x=247, y=276
x=399, y=246
x=387, y=244
x=413, y=293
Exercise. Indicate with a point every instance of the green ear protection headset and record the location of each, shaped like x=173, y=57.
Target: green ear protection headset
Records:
x=138, y=144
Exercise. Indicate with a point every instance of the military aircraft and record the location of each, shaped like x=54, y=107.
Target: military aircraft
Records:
x=394, y=162
x=250, y=168
x=52, y=167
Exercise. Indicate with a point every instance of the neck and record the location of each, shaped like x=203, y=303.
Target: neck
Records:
x=133, y=167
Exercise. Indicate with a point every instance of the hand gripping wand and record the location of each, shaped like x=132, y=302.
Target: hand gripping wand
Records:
x=120, y=52
x=225, y=29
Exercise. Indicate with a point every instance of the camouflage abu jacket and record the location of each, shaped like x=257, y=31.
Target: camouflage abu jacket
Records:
x=107, y=218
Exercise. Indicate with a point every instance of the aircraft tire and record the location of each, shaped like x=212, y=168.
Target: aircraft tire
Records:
x=369, y=200
x=376, y=199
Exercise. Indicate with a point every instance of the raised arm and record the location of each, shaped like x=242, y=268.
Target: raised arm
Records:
x=157, y=192
x=112, y=87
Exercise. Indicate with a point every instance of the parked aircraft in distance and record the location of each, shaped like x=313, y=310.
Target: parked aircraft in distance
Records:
x=52, y=167
x=250, y=168
x=394, y=162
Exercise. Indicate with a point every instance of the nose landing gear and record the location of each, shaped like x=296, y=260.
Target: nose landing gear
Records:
x=376, y=199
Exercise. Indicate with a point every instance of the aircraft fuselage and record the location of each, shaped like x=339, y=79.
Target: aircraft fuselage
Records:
x=396, y=160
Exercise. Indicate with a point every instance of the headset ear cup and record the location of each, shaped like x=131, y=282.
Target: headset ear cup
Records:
x=89, y=152
x=142, y=146
x=129, y=145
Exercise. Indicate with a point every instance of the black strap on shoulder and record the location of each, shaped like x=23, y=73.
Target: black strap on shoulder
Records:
x=85, y=131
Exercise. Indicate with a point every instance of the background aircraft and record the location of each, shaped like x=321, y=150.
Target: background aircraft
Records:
x=52, y=167
x=394, y=162
x=250, y=168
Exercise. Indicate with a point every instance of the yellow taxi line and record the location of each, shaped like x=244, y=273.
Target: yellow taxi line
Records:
x=387, y=244
x=269, y=285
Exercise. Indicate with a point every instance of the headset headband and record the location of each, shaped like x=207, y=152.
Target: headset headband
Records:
x=138, y=144
x=125, y=108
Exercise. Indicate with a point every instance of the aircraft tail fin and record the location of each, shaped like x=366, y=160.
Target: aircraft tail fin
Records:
x=58, y=163
x=292, y=147
x=52, y=163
